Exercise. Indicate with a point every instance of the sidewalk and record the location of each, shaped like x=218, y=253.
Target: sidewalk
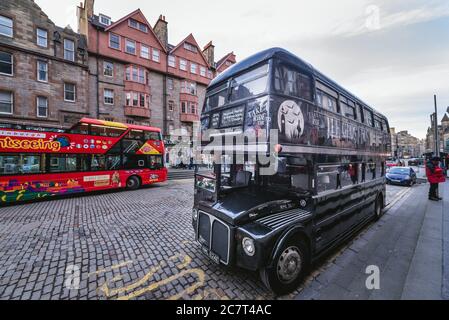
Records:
x=410, y=245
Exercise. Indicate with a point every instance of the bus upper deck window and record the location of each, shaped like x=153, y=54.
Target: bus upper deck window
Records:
x=292, y=82
x=250, y=84
x=217, y=97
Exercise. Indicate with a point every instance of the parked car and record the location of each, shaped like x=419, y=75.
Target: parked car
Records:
x=416, y=162
x=404, y=176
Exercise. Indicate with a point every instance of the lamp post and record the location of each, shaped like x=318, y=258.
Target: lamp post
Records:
x=437, y=136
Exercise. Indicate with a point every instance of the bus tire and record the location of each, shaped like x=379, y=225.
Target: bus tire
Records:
x=378, y=207
x=289, y=268
x=133, y=183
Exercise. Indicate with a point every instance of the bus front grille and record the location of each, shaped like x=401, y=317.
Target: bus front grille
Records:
x=214, y=235
x=281, y=219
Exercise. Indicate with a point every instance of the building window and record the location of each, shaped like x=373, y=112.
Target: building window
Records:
x=183, y=107
x=6, y=102
x=188, y=87
x=209, y=74
x=183, y=65
x=142, y=76
x=42, y=71
x=135, y=74
x=190, y=47
x=193, y=108
x=6, y=26
x=172, y=61
x=203, y=71
x=145, y=52
x=171, y=106
x=114, y=41
x=137, y=25
x=193, y=68
x=6, y=63
x=108, y=69
x=130, y=46
x=42, y=37
x=42, y=107
x=69, y=50
x=156, y=55
x=69, y=92
x=105, y=20
x=170, y=84
x=109, y=96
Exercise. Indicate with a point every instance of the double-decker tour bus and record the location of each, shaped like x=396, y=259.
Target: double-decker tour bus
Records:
x=93, y=155
x=329, y=178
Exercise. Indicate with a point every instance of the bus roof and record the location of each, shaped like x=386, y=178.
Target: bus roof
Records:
x=118, y=125
x=289, y=57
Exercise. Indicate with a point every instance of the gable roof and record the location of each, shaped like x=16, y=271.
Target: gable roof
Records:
x=224, y=59
x=445, y=118
x=191, y=39
x=139, y=12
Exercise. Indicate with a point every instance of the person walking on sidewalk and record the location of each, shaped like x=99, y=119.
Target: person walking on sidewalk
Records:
x=435, y=175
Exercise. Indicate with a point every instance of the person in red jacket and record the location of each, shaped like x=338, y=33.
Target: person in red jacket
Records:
x=435, y=175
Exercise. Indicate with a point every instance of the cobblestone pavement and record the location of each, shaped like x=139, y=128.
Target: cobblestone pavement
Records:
x=122, y=245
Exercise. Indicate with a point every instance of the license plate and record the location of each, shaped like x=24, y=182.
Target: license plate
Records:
x=214, y=257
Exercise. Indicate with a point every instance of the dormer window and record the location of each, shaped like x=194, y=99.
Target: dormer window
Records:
x=137, y=25
x=190, y=47
x=105, y=20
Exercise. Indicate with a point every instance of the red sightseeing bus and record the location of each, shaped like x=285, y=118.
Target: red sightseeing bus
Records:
x=91, y=156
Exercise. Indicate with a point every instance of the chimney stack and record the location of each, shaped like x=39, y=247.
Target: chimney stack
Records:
x=161, y=30
x=209, y=53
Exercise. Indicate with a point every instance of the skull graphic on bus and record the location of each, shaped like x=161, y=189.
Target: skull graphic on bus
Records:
x=290, y=120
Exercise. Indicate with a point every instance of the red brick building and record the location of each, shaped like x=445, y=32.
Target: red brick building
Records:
x=137, y=76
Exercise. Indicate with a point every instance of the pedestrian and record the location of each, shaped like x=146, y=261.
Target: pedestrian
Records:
x=435, y=175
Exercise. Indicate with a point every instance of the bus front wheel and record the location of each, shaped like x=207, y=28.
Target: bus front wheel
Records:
x=289, y=268
x=133, y=183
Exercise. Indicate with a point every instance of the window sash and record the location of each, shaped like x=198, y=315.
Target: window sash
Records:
x=42, y=71
x=193, y=68
x=6, y=102
x=42, y=37
x=42, y=107
x=69, y=50
x=7, y=64
x=172, y=61
x=114, y=41
x=130, y=46
x=108, y=96
x=203, y=71
x=183, y=65
x=108, y=69
x=69, y=92
x=156, y=55
x=145, y=52
x=6, y=26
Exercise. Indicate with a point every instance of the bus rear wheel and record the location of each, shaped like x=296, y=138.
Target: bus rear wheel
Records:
x=289, y=268
x=378, y=208
x=133, y=183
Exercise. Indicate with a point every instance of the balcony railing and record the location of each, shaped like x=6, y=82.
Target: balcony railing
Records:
x=137, y=112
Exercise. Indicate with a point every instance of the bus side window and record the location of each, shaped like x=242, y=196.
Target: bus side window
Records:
x=327, y=178
x=20, y=164
x=371, y=171
x=62, y=163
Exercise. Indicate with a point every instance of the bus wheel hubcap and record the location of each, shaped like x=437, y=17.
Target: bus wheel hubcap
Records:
x=289, y=265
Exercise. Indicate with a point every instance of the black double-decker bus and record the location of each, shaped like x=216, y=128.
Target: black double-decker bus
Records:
x=329, y=178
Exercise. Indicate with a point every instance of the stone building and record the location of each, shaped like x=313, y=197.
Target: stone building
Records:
x=137, y=76
x=43, y=69
x=404, y=145
x=443, y=132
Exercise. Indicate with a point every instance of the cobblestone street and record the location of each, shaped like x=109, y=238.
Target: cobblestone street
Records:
x=123, y=245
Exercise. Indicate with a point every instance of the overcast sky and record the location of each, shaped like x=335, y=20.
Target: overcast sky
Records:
x=393, y=54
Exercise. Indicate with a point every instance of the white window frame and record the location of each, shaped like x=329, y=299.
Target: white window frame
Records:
x=147, y=53
x=12, y=66
x=74, y=92
x=172, y=61
x=203, y=71
x=12, y=101
x=119, y=41
x=37, y=106
x=38, y=37
x=105, y=20
x=105, y=63
x=183, y=65
x=72, y=51
x=126, y=46
x=193, y=68
x=156, y=56
x=104, y=97
x=38, y=64
x=12, y=27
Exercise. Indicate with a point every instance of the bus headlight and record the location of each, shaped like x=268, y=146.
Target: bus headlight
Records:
x=249, y=246
x=195, y=215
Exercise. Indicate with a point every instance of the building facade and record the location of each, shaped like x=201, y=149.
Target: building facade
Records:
x=443, y=132
x=404, y=145
x=43, y=69
x=138, y=77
